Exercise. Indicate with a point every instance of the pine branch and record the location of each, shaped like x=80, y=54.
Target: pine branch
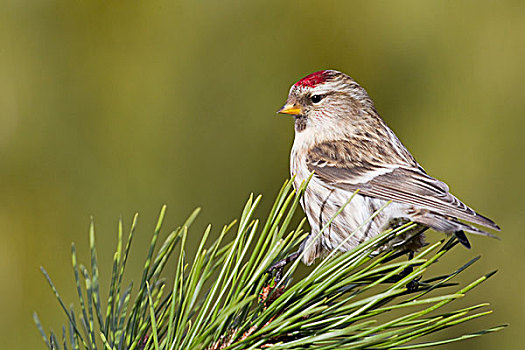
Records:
x=227, y=297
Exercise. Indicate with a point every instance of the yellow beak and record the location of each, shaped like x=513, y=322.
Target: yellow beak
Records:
x=290, y=109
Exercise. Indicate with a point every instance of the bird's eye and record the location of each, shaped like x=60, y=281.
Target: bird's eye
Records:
x=316, y=98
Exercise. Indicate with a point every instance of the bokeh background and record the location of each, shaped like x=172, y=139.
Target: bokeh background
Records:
x=112, y=108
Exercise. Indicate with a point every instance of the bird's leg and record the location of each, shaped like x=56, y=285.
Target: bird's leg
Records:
x=279, y=266
x=282, y=263
x=408, y=270
x=413, y=285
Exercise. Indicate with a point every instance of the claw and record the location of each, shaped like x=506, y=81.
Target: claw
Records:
x=413, y=285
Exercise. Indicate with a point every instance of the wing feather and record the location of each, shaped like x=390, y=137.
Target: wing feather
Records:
x=399, y=181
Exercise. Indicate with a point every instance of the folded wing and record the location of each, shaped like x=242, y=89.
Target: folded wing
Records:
x=400, y=180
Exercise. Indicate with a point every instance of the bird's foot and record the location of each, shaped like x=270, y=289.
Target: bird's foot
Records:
x=278, y=267
x=413, y=285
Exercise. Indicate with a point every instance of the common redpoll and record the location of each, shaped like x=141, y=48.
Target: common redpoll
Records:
x=340, y=137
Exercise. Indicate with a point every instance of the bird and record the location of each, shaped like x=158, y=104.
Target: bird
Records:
x=342, y=142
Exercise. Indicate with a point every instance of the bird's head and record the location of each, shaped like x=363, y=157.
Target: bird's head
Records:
x=325, y=99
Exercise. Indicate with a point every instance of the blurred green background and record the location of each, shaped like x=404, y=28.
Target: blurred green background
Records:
x=108, y=108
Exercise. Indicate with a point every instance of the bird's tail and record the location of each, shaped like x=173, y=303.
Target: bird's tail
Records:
x=451, y=226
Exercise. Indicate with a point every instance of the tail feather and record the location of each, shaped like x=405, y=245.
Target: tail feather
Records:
x=484, y=221
x=449, y=225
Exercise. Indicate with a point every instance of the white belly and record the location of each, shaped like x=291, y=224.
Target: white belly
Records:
x=348, y=229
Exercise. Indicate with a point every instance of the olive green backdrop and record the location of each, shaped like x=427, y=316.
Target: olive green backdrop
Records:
x=113, y=107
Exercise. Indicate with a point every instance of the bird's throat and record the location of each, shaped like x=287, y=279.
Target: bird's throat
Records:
x=300, y=123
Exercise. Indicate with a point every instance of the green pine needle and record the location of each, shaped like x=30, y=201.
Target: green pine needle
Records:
x=225, y=297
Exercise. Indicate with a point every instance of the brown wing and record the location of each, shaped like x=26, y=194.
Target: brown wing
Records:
x=395, y=180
